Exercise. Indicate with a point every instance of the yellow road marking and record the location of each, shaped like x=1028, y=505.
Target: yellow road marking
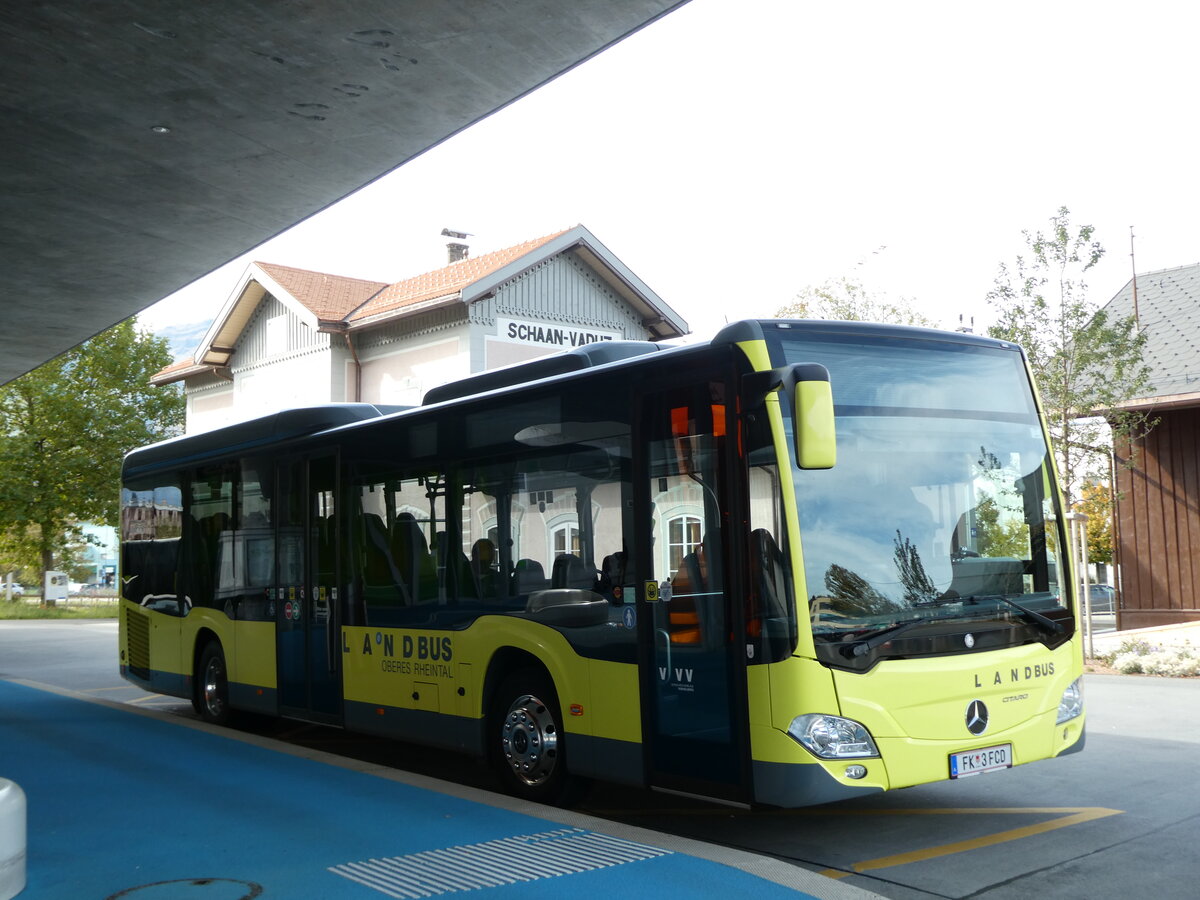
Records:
x=151, y=698
x=1070, y=815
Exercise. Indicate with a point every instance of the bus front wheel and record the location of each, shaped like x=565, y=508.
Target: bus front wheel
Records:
x=526, y=742
x=212, y=686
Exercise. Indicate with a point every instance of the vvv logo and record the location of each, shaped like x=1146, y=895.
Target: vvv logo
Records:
x=682, y=679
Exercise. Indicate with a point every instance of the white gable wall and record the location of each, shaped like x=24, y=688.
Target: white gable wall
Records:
x=278, y=362
x=562, y=302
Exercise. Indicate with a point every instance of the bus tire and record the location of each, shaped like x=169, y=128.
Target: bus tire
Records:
x=212, y=685
x=526, y=742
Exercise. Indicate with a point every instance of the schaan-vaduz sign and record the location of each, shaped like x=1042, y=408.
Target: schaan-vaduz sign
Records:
x=544, y=334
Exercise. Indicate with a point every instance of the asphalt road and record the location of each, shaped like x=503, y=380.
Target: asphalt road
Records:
x=1116, y=821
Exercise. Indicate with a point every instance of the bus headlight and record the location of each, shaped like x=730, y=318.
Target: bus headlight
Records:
x=1071, y=704
x=832, y=737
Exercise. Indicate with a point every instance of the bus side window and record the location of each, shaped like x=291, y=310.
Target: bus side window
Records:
x=382, y=583
x=570, y=572
x=771, y=623
x=211, y=566
x=485, y=574
x=528, y=576
x=612, y=576
x=413, y=560
x=684, y=611
x=151, y=523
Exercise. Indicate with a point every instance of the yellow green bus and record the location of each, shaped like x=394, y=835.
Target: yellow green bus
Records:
x=801, y=562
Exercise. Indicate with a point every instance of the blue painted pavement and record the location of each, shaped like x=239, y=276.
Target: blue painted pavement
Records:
x=118, y=800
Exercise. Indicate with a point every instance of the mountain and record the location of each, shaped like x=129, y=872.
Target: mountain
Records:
x=185, y=338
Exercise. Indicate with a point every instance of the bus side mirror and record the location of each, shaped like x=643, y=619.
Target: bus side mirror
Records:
x=807, y=385
x=812, y=417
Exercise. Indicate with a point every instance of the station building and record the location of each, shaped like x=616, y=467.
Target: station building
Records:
x=289, y=337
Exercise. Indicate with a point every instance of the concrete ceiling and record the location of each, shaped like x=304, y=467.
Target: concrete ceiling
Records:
x=148, y=142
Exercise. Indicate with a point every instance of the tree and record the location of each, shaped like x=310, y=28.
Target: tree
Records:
x=851, y=595
x=1085, y=363
x=1097, y=504
x=996, y=538
x=64, y=429
x=918, y=587
x=847, y=299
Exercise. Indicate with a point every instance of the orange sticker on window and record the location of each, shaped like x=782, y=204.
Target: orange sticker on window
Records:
x=679, y=421
x=718, y=414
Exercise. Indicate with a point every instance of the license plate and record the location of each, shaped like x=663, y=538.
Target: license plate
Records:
x=985, y=759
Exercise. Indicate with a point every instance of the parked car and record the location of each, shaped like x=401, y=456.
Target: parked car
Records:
x=1102, y=598
x=18, y=590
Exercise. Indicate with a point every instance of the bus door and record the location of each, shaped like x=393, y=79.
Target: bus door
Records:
x=693, y=719
x=306, y=590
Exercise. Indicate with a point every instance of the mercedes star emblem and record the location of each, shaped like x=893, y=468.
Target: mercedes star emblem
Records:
x=969, y=640
x=977, y=717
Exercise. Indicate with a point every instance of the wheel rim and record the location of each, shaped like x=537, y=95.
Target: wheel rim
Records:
x=529, y=737
x=214, y=680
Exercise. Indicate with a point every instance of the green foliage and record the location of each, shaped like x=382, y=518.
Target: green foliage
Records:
x=64, y=429
x=1086, y=364
x=997, y=539
x=918, y=587
x=850, y=594
x=25, y=610
x=847, y=299
x=1097, y=504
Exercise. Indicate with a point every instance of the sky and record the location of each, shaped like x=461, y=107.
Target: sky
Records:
x=737, y=151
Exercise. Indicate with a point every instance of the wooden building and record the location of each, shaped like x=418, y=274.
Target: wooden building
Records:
x=1157, y=518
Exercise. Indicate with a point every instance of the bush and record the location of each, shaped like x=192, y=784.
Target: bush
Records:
x=1138, y=657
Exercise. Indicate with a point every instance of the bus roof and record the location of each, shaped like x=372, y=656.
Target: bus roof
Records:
x=585, y=357
x=245, y=436
x=305, y=421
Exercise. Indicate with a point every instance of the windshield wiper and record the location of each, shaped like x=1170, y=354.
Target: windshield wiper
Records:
x=1044, y=622
x=866, y=645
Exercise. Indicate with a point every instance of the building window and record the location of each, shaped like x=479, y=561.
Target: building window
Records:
x=566, y=539
x=683, y=537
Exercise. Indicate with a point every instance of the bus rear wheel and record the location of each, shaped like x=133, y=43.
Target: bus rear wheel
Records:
x=526, y=742
x=211, y=699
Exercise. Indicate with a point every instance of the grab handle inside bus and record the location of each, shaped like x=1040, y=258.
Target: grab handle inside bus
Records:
x=807, y=386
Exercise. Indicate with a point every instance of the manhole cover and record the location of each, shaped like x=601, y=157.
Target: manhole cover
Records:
x=199, y=888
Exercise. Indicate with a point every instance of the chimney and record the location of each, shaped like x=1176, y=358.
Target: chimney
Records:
x=456, y=250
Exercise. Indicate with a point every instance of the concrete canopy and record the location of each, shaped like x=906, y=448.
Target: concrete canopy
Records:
x=272, y=111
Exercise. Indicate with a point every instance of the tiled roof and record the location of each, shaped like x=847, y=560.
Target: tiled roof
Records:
x=444, y=282
x=178, y=371
x=177, y=367
x=330, y=297
x=1168, y=311
x=338, y=302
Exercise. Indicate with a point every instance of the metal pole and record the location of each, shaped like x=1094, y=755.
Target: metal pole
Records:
x=1087, y=583
x=1137, y=322
x=1078, y=555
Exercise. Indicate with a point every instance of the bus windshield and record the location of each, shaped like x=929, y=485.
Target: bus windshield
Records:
x=941, y=508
